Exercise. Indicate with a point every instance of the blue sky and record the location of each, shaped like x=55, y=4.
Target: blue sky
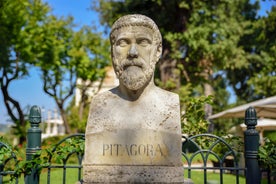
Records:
x=28, y=91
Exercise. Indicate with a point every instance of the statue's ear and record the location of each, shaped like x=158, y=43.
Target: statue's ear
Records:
x=159, y=51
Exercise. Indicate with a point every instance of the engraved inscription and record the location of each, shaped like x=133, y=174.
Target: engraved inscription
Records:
x=133, y=150
x=132, y=147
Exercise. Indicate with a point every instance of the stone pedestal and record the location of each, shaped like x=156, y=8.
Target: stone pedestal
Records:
x=133, y=156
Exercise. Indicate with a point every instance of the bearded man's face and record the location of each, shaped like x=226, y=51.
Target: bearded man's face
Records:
x=134, y=56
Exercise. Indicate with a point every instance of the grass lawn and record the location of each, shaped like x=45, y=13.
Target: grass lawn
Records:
x=214, y=178
x=57, y=176
x=197, y=177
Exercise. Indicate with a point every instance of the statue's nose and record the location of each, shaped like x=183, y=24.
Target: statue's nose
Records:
x=133, y=53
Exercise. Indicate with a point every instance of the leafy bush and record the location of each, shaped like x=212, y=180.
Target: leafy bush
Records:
x=193, y=120
x=59, y=153
x=271, y=135
x=52, y=140
x=267, y=154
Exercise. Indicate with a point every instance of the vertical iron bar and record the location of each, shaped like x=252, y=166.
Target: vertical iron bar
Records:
x=237, y=175
x=205, y=175
x=33, y=143
x=79, y=170
x=64, y=174
x=48, y=175
x=251, y=146
x=1, y=177
x=221, y=175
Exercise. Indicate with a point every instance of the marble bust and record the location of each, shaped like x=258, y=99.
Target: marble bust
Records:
x=133, y=132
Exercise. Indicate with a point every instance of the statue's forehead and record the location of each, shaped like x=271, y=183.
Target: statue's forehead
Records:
x=135, y=31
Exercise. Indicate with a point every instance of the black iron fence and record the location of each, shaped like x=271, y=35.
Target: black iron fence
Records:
x=207, y=152
x=5, y=161
x=207, y=148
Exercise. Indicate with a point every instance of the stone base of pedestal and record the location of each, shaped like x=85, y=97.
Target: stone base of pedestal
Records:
x=133, y=174
x=188, y=181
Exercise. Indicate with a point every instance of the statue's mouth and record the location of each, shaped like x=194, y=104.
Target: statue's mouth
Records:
x=134, y=63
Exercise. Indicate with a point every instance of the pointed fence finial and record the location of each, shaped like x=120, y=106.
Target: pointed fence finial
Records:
x=251, y=117
x=35, y=116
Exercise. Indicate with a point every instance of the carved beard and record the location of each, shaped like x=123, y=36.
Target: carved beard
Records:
x=133, y=73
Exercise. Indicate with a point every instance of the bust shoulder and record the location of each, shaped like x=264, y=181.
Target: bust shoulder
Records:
x=103, y=97
x=166, y=96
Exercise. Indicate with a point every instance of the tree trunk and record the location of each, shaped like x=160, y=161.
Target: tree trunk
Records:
x=65, y=122
x=208, y=89
x=13, y=107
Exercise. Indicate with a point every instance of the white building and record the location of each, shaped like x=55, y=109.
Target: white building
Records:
x=53, y=125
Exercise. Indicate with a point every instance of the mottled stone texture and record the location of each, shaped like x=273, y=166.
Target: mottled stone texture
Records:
x=133, y=174
x=133, y=133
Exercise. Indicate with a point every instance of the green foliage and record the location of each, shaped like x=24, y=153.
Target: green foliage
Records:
x=267, y=154
x=34, y=37
x=204, y=43
x=70, y=55
x=59, y=154
x=10, y=158
x=264, y=78
x=69, y=146
x=271, y=135
x=193, y=119
x=77, y=122
x=94, y=57
x=50, y=141
x=235, y=142
x=256, y=80
x=19, y=22
x=5, y=151
x=220, y=43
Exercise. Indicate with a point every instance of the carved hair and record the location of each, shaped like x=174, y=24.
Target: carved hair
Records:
x=135, y=20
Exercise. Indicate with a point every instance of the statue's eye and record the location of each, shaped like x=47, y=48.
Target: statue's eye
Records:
x=122, y=42
x=144, y=42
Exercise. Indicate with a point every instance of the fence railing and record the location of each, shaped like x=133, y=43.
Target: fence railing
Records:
x=207, y=147
x=4, y=161
x=214, y=154
x=65, y=154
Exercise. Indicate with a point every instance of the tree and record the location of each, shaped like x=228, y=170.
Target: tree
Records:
x=257, y=79
x=58, y=69
x=94, y=69
x=66, y=56
x=33, y=37
x=92, y=50
x=265, y=80
x=19, y=22
x=201, y=39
